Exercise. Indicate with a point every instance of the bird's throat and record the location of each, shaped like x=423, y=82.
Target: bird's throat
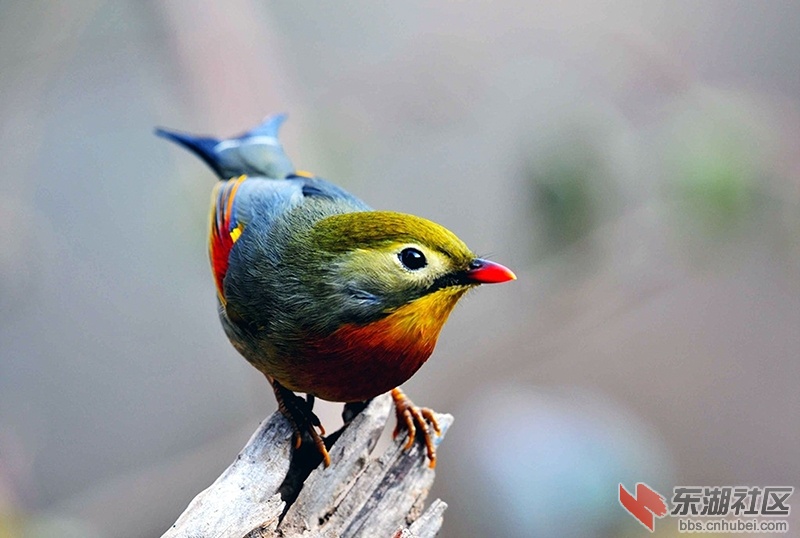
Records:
x=423, y=319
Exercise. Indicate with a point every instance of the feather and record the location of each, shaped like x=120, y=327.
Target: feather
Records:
x=258, y=152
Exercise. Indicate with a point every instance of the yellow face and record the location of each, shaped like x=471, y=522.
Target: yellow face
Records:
x=390, y=260
x=386, y=265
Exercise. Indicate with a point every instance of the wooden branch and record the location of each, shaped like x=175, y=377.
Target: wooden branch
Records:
x=269, y=491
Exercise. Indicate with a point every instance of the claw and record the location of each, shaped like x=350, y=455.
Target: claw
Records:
x=318, y=441
x=302, y=418
x=415, y=419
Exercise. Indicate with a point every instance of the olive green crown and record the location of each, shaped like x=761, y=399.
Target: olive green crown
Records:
x=374, y=229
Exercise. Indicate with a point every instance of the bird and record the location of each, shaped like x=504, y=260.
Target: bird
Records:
x=320, y=292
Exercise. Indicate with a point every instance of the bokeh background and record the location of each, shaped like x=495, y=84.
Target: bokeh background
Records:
x=637, y=164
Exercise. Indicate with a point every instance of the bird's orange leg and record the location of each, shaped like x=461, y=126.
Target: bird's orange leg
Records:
x=302, y=418
x=410, y=417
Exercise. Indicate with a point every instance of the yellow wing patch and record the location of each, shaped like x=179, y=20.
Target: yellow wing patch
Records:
x=224, y=231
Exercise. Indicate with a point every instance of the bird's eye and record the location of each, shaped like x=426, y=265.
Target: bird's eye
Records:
x=412, y=259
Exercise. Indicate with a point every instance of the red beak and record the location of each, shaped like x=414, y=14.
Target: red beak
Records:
x=487, y=272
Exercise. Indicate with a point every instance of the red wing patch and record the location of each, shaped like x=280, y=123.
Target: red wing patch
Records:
x=224, y=229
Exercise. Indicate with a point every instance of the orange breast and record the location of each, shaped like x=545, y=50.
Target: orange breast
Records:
x=359, y=362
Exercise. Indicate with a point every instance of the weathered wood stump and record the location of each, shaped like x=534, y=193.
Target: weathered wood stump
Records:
x=271, y=492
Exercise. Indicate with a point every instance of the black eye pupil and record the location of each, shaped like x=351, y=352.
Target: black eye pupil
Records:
x=413, y=259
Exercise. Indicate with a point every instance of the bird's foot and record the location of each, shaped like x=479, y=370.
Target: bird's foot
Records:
x=352, y=409
x=415, y=419
x=304, y=422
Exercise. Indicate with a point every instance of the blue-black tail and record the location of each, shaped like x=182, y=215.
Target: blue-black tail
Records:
x=258, y=152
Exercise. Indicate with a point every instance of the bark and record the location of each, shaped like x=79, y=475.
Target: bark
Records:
x=272, y=491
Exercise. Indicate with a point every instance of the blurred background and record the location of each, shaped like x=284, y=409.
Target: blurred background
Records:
x=635, y=163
